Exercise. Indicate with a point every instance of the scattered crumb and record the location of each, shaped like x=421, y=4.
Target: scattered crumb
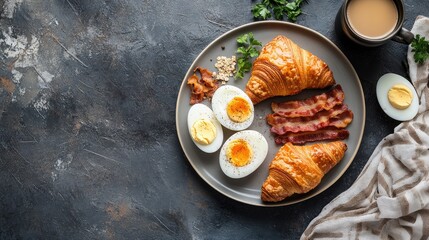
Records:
x=225, y=67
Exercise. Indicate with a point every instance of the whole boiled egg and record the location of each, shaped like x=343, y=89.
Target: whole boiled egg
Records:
x=233, y=108
x=205, y=130
x=243, y=153
x=397, y=97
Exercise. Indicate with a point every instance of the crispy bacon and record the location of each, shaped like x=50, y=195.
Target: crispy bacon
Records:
x=310, y=106
x=300, y=138
x=339, y=116
x=202, y=88
x=321, y=117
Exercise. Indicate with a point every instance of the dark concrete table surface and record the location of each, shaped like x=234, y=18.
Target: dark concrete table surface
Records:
x=88, y=146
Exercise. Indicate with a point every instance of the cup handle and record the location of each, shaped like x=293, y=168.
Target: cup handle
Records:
x=403, y=36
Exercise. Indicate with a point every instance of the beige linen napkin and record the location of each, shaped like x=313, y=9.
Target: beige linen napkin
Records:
x=390, y=198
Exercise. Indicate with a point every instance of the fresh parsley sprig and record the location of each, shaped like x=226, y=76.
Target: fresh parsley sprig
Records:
x=247, y=50
x=261, y=12
x=265, y=9
x=420, y=47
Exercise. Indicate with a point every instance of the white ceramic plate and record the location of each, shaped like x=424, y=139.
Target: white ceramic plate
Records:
x=248, y=189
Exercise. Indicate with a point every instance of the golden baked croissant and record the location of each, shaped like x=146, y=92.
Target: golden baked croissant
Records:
x=283, y=68
x=299, y=169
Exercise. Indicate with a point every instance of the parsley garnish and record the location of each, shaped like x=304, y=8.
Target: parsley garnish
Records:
x=420, y=47
x=261, y=12
x=246, y=49
x=265, y=9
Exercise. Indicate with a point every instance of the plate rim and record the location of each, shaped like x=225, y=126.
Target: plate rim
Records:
x=338, y=51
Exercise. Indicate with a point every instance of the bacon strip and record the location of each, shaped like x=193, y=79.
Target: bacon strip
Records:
x=310, y=106
x=300, y=138
x=202, y=88
x=339, y=117
x=321, y=117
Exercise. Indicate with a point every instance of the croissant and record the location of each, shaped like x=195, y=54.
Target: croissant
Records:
x=283, y=68
x=299, y=169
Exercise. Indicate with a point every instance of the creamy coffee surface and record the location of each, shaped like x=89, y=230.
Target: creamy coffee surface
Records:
x=372, y=18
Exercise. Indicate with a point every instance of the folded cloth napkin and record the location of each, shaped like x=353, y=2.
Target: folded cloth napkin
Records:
x=390, y=198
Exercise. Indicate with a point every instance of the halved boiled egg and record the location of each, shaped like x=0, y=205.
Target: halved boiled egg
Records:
x=233, y=108
x=205, y=130
x=397, y=97
x=243, y=153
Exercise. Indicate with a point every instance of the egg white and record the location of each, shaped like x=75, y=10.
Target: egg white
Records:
x=384, y=84
x=259, y=146
x=220, y=100
x=200, y=111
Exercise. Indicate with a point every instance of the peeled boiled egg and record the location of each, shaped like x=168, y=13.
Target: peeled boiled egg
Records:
x=397, y=97
x=243, y=153
x=233, y=108
x=205, y=130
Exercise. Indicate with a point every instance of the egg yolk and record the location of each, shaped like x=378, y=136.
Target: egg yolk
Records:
x=238, y=109
x=239, y=152
x=400, y=96
x=203, y=131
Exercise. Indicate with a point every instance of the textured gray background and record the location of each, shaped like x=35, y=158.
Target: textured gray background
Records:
x=88, y=147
